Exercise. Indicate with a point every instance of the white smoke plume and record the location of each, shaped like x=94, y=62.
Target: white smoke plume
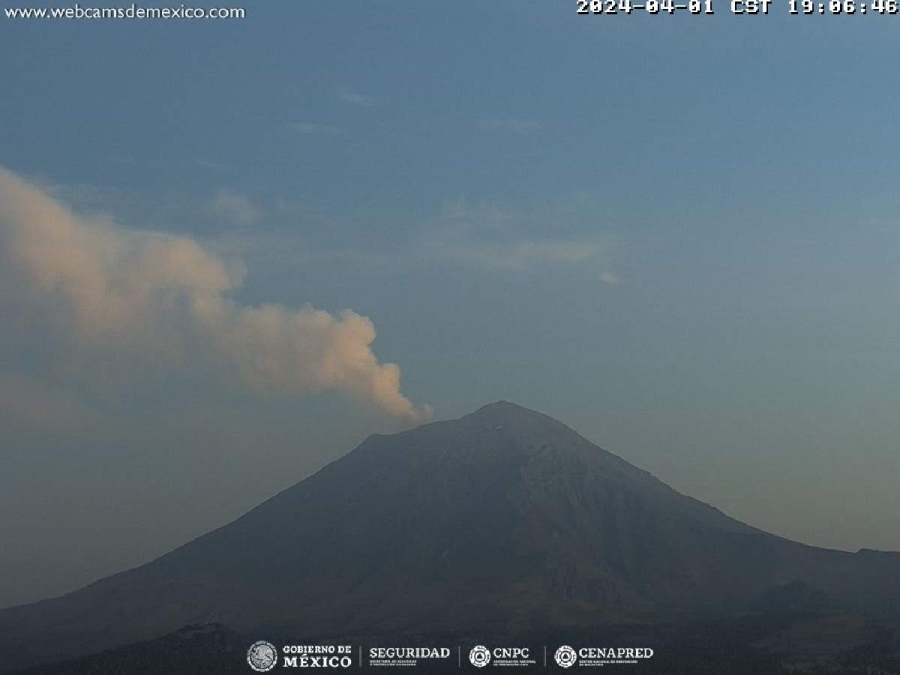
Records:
x=162, y=302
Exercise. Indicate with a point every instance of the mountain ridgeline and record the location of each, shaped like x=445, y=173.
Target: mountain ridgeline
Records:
x=502, y=522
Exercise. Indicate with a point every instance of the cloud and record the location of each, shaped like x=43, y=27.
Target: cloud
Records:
x=513, y=125
x=356, y=98
x=215, y=166
x=489, y=237
x=461, y=217
x=233, y=207
x=27, y=404
x=525, y=254
x=610, y=278
x=154, y=303
x=314, y=129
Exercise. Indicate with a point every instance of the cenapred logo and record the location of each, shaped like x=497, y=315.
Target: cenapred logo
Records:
x=565, y=657
x=262, y=656
x=480, y=656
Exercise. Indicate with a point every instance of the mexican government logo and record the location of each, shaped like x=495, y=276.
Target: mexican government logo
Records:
x=262, y=656
x=566, y=656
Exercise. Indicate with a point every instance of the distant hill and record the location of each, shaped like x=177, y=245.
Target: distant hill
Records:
x=207, y=649
x=502, y=522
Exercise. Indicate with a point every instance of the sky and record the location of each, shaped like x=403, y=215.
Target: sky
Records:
x=230, y=250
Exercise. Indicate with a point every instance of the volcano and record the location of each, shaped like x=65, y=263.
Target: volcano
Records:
x=503, y=521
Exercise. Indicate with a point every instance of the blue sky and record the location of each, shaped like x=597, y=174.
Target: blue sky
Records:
x=676, y=234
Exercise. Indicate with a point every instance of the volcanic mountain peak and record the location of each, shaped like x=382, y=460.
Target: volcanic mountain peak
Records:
x=494, y=430
x=508, y=410
x=512, y=413
x=501, y=405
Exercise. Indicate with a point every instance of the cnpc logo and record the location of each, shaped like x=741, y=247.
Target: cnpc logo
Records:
x=510, y=653
x=480, y=656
